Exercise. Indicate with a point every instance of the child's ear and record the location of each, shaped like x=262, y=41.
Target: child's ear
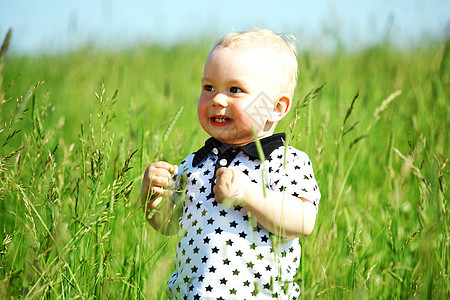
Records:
x=281, y=108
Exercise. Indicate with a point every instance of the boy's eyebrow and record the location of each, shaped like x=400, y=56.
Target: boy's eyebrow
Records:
x=237, y=81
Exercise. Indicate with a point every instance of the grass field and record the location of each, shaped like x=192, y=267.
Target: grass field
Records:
x=79, y=129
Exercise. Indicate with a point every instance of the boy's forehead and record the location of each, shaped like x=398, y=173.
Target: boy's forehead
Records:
x=268, y=58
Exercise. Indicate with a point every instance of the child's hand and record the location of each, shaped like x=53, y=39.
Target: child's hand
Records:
x=157, y=176
x=230, y=184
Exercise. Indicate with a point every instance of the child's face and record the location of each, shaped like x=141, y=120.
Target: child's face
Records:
x=231, y=102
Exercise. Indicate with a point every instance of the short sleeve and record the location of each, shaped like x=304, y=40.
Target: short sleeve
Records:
x=294, y=174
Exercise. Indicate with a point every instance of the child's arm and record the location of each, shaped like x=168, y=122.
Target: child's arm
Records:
x=158, y=208
x=278, y=212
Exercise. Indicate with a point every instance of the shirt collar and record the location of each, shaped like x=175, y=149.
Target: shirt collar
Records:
x=268, y=144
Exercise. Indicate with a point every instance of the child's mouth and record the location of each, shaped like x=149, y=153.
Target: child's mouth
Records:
x=220, y=121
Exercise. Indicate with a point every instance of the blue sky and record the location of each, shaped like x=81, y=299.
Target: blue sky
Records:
x=59, y=25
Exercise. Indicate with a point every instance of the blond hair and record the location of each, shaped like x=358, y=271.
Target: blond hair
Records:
x=281, y=47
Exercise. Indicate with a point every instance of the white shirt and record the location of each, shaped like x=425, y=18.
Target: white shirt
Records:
x=223, y=253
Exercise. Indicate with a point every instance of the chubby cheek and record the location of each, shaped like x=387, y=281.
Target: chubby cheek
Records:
x=249, y=116
x=202, y=112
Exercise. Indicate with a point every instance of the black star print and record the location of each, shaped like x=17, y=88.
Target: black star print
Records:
x=215, y=250
x=206, y=240
x=268, y=268
x=218, y=230
x=294, y=182
x=197, y=205
x=186, y=279
x=202, y=189
x=233, y=291
x=209, y=288
x=212, y=269
x=210, y=196
x=194, y=269
x=229, y=242
x=196, y=249
x=258, y=275
x=266, y=286
x=196, y=297
x=204, y=212
x=194, y=181
x=200, y=166
x=260, y=256
x=297, y=167
x=223, y=213
x=195, y=223
x=237, y=207
x=237, y=163
x=223, y=281
x=250, y=265
x=233, y=224
x=245, y=172
x=191, y=241
x=246, y=283
x=200, y=279
x=253, y=246
x=226, y=261
x=204, y=259
x=199, y=230
x=236, y=272
x=210, y=221
x=188, y=260
x=239, y=253
x=264, y=238
x=206, y=172
x=215, y=203
x=257, y=167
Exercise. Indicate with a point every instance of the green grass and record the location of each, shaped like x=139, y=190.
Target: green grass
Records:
x=73, y=151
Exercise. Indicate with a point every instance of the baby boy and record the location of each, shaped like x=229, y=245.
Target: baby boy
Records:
x=241, y=212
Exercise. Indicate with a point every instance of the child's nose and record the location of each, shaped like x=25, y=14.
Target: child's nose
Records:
x=220, y=99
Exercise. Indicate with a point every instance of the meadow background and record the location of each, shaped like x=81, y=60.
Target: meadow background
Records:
x=78, y=130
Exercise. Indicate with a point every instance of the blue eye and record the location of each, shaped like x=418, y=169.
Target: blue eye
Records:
x=235, y=90
x=208, y=88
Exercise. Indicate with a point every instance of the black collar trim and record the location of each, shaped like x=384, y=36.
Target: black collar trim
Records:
x=268, y=144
